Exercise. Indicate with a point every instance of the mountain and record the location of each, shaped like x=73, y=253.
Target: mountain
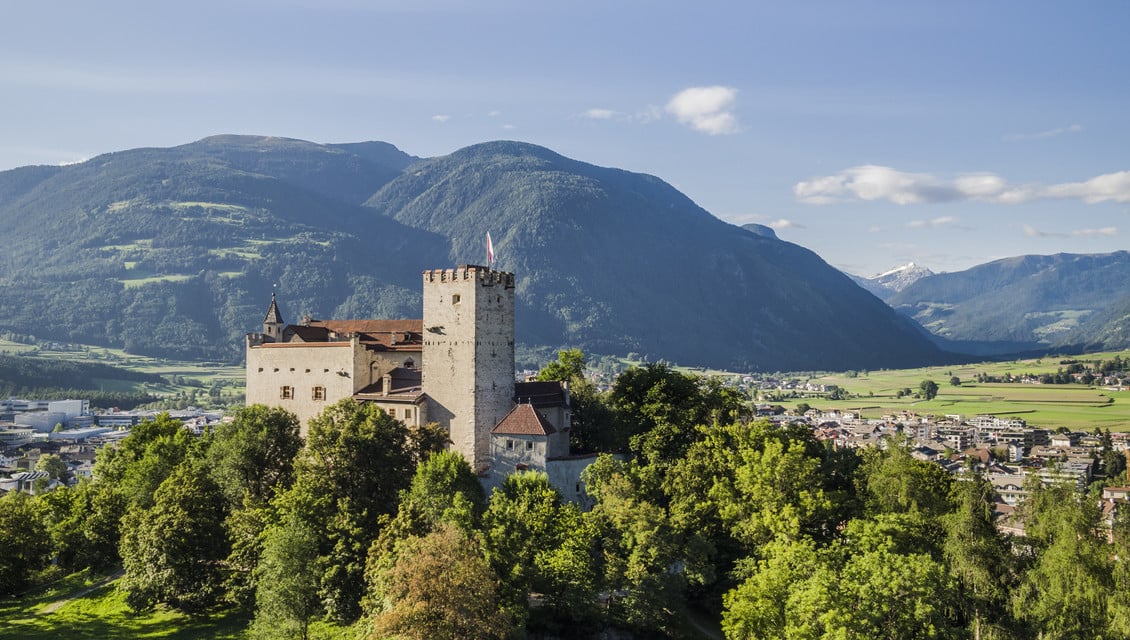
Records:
x=618, y=262
x=1027, y=301
x=888, y=283
x=174, y=251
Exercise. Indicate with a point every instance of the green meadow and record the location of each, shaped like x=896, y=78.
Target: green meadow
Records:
x=89, y=606
x=1074, y=406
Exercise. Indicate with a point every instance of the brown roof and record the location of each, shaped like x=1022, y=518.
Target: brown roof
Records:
x=369, y=326
x=379, y=335
x=524, y=420
x=540, y=394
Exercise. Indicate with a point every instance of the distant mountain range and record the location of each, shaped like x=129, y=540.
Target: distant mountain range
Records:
x=888, y=283
x=175, y=252
x=1023, y=303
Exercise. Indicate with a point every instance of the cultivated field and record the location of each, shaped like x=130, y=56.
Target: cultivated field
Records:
x=1074, y=406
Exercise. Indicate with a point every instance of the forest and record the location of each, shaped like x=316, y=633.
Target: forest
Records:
x=698, y=513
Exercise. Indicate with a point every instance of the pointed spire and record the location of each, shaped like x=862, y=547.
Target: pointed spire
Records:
x=274, y=316
x=273, y=324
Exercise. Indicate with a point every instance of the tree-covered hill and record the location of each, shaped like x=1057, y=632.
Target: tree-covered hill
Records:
x=1034, y=300
x=615, y=261
x=173, y=251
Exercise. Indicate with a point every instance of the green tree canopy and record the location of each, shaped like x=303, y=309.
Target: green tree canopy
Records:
x=254, y=453
x=24, y=542
x=928, y=389
x=172, y=551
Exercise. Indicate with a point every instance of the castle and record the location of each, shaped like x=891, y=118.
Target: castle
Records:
x=455, y=367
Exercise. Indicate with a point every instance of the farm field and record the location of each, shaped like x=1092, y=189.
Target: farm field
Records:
x=183, y=377
x=1074, y=406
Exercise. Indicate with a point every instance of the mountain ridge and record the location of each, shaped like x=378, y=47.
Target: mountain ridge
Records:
x=162, y=250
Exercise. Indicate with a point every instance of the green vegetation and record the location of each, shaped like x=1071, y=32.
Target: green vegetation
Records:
x=366, y=529
x=1025, y=302
x=174, y=252
x=113, y=378
x=1076, y=406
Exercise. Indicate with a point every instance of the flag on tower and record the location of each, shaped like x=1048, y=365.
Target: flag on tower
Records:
x=490, y=251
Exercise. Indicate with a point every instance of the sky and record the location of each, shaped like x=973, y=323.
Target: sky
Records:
x=873, y=133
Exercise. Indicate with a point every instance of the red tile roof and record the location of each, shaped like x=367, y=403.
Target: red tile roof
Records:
x=524, y=420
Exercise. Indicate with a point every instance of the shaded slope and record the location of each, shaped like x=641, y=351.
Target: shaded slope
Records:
x=617, y=262
x=1027, y=299
x=174, y=251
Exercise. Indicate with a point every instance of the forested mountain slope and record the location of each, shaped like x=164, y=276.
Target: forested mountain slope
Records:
x=1039, y=300
x=175, y=251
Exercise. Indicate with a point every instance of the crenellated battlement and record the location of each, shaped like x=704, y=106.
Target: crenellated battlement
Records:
x=470, y=272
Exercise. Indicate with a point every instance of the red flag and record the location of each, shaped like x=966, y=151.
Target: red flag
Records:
x=490, y=250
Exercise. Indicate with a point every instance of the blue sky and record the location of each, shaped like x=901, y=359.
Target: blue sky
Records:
x=874, y=133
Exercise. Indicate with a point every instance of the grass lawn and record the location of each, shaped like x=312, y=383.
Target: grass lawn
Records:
x=102, y=613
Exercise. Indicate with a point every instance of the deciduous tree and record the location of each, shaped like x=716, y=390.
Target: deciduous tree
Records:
x=442, y=587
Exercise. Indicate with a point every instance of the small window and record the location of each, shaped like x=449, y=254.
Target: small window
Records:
x=286, y=392
x=455, y=299
x=307, y=371
x=319, y=393
x=292, y=368
x=409, y=363
x=260, y=369
x=392, y=412
x=529, y=445
x=407, y=412
x=509, y=443
x=325, y=370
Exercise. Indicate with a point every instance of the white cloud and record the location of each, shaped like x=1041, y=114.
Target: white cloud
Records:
x=1033, y=232
x=507, y=126
x=942, y=221
x=441, y=118
x=782, y=223
x=874, y=182
x=706, y=109
x=1039, y=135
x=494, y=114
x=1105, y=231
x=599, y=114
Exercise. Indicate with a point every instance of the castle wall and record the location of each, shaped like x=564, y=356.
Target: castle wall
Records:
x=565, y=476
x=302, y=367
x=468, y=357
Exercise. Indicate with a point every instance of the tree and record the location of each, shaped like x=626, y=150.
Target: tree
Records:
x=254, y=453
x=348, y=478
x=172, y=551
x=24, y=541
x=569, y=366
x=955, y=381
x=979, y=558
x=54, y=465
x=892, y=481
x=1065, y=592
x=441, y=587
x=144, y=458
x=521, y=521
x=928, y=389
x=286, y=598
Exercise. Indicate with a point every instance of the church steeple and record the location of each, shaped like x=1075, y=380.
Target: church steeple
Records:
x=273, y=323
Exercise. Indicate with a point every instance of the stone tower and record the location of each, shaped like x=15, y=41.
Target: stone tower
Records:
x=273, y=323
x=468, y=355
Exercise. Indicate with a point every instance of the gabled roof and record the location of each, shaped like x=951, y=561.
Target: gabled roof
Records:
x=523, y=420
x=540, y=394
